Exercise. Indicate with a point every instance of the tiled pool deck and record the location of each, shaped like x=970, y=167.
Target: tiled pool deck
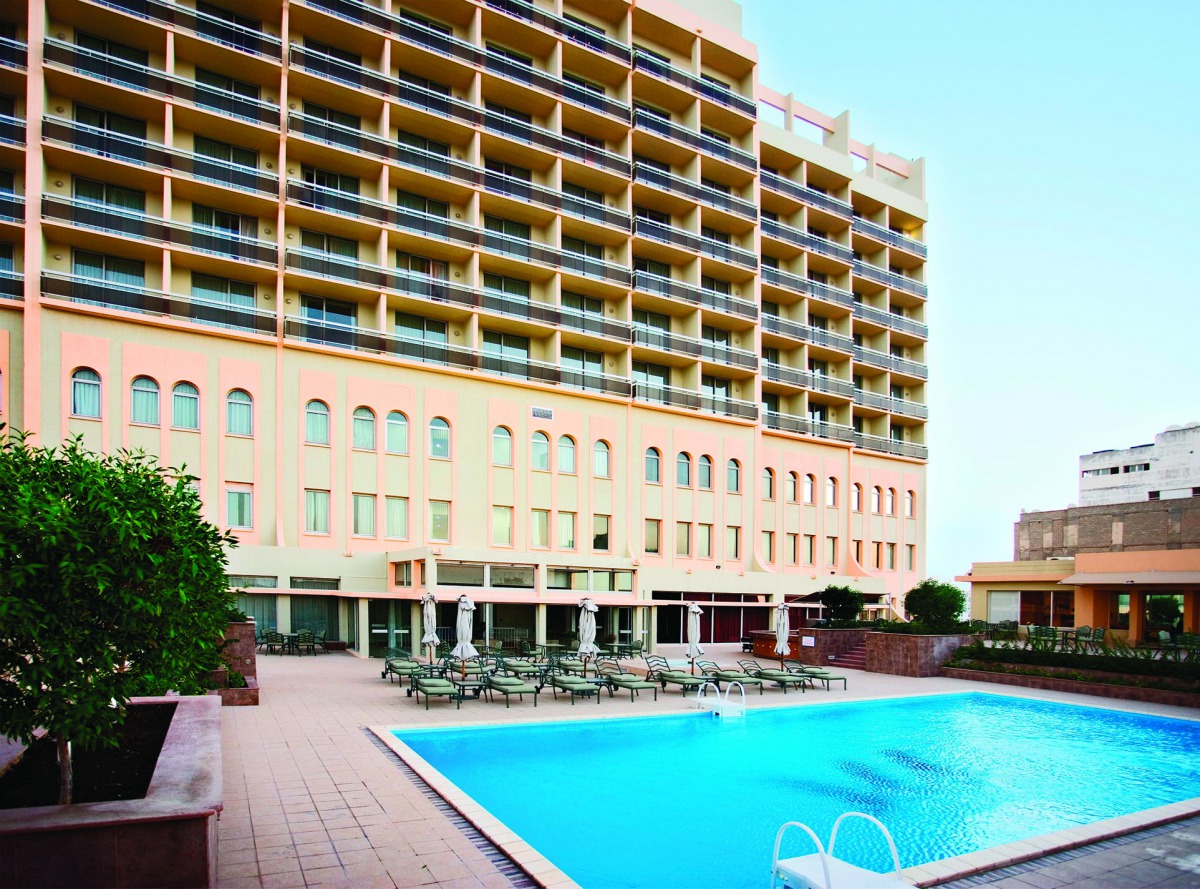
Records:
x=312, y=798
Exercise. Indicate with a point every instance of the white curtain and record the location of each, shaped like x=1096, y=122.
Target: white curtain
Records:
x=316, y=511
x=185, y=406
x=143, y=401
x=85, y=393
x=397, y=433
x=316, y=423
x=364, y=515
x=364, y=429
x=397, y=517
x=239, y=413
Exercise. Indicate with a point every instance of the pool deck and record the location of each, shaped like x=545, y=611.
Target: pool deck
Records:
x=313, y=798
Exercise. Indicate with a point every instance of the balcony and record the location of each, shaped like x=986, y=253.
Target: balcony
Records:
x=503, y=125
x=678, y=185
x=114, y=220
x=108, y=144
x=891, y=446
x=728, y=253
x=652, y=123
x=564, y=28
x=111, y=295
x=657, y=393
x=590, y=267
x=521, y=190
x=13, y=54
x=792, y=376
x=595, y=212
x=798, y=284
x=805, y=195
x=588, y=322
x=889, y=237
x=815, y=335
x=150, y=80
x=657, y=285
x=12, y=130
x=562, y=89
x=806, y=241
x=12, y=285
x=407, y=30
x=805, y=426
x=890, y=362
x=891, y=320
x=889, y=279
x=202, y=25
x=346, y=204
x=12, y=207
x=665, y=341
x=729, y=407
x=714, y=92
x=665, y=234
x=892, y=405
x=719, y=353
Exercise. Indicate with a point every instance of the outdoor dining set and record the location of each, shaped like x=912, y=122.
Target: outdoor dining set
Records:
x=304, y=641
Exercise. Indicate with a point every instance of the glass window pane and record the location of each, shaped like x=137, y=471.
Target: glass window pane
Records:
x=185, y=406
x=397, y=517
x=316, y=512
x=316, y=423
x=239, y=413
x=397, y=433
x=364, y=429
x=364, y=515
x=439, y=438
x=566, y=455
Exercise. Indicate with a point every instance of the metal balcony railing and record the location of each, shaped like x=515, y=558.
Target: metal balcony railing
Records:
x=663, y=340
x=13, y=53
x=728, y=253
x=652, y=123
x=589, y=322
x=595, y=212
x=807, y=241
x=407, y=30
x=12, y=285
x=415, y=221
x=647, y=282
x=730, y=355
x=655, y=178
x=793, y=376
x=12, y=130
x=201, y=24
x=890, y=362
x=892, y=405
x=805, y=426
x=798, y=284
x=891, y=320
x=563, y=27
x=12, y=207
x=891, y=446
x=889, y=279
x=805, y=195
x=889, y=237
x=715, y=92
x=555, y=86
x=660, y=394
x=816, y=335
x=591, y=267
x=665, y=234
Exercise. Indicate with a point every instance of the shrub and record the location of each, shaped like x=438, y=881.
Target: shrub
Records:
x=935, y=605
x=841, y=602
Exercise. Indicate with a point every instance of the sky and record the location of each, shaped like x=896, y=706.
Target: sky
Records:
x=1062, y=147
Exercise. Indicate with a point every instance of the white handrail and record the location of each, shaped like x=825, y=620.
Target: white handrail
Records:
x=887, y=835
x=820, y=851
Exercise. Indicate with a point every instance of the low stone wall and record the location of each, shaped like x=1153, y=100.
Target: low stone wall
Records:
x=240, y=651
x=1075, y=686
x=238, y=697
x=826, y=644
x=902, y=655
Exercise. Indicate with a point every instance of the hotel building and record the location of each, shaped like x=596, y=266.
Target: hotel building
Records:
x=520, y=300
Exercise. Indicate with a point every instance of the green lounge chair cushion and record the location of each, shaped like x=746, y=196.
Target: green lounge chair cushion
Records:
x=506, y=681
x=435, y=685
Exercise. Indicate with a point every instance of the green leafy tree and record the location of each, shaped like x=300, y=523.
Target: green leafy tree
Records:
x=935, y=604
x=111, y=585
x=841, y=602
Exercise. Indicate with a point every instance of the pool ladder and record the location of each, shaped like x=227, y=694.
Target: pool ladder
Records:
x=721, y=705
x=824, y=870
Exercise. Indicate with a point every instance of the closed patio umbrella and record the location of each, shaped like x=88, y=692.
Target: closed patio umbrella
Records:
x=465, y=628
x=429, y=623
x=587, y=629
x=693, y=634
x=782, y=630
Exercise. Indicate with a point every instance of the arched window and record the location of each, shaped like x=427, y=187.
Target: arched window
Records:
x=876, y=499
x=601, y=460
x=910, y=504
x=185, y=406
x=143, y=401
x=566, y=454
x=831, y=491
x=364, y=428
x=239, y=413
x=316, y=422
x=810, y=489
x=705, y=472
x=539, y=451
x=733, y=476
x=793, y=489
x=683, y=470
x=439, y=438
x=502, y=450
x=85, y=393
x=890, y=501
x=397, y=433
x=653, y=465
x=856, y=499
x=768, y=483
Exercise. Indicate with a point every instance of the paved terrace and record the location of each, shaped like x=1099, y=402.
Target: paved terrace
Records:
x=312, y=799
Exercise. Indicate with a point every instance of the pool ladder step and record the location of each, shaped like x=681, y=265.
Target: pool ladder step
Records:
x=823, y=870
x=719, y=704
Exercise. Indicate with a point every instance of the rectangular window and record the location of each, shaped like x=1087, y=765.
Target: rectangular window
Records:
x=653, y=534
x=878, y=559
x=910, y=553
x=316, y=512
x=733, y=542
x=364, y=515
x=439, y=521
x=502, y=530
x=768, y=546
x=857, y=546
x=397, y=517
x=600, y=533
x=539, y=528
x=831, y=550
x=704, y=541
x=239, y=504
x=891, y=557
x=566, y=530
x=810, y=549
x=793, y=549
x=683, y=538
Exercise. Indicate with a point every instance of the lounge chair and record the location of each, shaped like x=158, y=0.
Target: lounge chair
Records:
x=527, y=671
x=573, y=685
x=721, y=674
x=574, y=665
x=818, y=673
x=432, y=686
x=400, y=665
x=781, y=678
x=658, y=670
x=619, y=677
x=509, y=686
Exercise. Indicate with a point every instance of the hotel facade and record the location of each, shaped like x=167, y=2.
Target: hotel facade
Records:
x=526, y=301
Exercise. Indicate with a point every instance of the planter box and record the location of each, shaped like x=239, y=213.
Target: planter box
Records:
x=901, y=655
x=241, y=652
x=1075, y=686
x=167, y=839
x=826, y=644
x=238, y=697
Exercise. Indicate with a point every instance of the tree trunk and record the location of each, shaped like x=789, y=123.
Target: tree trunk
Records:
x=65, y=776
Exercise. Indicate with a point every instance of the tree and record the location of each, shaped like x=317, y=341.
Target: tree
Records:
x=111, y=585
x=935, y=604
x=841, y=602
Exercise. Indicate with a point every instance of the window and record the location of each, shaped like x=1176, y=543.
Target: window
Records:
x=439, y=438
x=683, y=470
x=85, y=393
x=316, y=512
x=876, y=499
x=768, y=546
x=226, y=154
x=185, y=406
x=856, y=497
x=502, y=451
x=421, y=204
x=143, y=401
x=396, y=518
x=810, y=549
x=889, y=500
x=831, y=550
x=239, y=508
x=539, y=528
x=792, y=554
x=319, y=242
x=793, y=487
x=600, y=529
x=831, y=491
x=653, y=534
x=768, y=484
x=601, y=460
x=566, y=454
x=88, y=191
x=239, y=413
x=439, y=521
x=705, y=473
x=364, y=428
x=539, y=451
x=733, y=542
x=878, y=557
x=396, y=433
x=316, y=423
x=810, y=489
x=114, y=269
x=566, y=530
x=910, y=552
x=502, y=526
x=704, y=541
x=891, y=557
x=364, y=515
x=733, y=476
x=910, y=504
x=653, y=465
x=683, y=538
x=222, y=290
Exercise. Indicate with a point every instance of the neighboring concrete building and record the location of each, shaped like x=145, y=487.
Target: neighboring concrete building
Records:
x=524, y=301
x=1168, y=469
x=1120, y=527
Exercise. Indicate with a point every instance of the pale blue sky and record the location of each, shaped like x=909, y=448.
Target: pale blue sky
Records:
x=1063, y=178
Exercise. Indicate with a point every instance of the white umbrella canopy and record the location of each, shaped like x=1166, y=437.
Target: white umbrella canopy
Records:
x=464, y=629
x=429, y=623
x=693, y=634
x=587, y=628
x=783, y=629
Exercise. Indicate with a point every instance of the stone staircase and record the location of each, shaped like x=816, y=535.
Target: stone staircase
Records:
x=854, y=659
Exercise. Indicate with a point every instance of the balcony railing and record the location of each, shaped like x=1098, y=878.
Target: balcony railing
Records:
x=889, y=237
x=12, y=130
x=203, y=25
x=891, y=446
x=890, y=362
x=665, y=234
x=591, y=267
x=346, y=204
x=892, y=405
x=891, y=320
x=816, y=335
x=810, y=242
x=13, y=53
x=12, y=285
x=590, y=322
x=565, y=28
x=555, y=86
x=805, y=426
x=678, y=185
x=664, y=340
x=728, y=253
x=646, y=282
x=805, y=195
x=659, y=394
x=722, y=354
x=407, y=30
x=522, y=190
x=12, y=207
x=652, y=123
x=595, y=212
x=793, y=376
x=889, y=279
x=715, y=92
x=153, y=302
x=798, y=284
x=495, y=122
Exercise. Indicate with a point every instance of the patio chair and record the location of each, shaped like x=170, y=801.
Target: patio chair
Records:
x=1080, y=639
x=575, y=686
x=721, y=674
x=306, y=640
x=747, y=644
x=431, y=686
x=658, y=670
x=781, y=678
x=319, y=639
x=274, y=641
x=509, y=686
x=619, y=677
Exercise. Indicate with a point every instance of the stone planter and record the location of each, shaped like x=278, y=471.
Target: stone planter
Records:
x=904, y=655
x=169, y=838
x=826, y=644
x=241, y=650
x=238, y=697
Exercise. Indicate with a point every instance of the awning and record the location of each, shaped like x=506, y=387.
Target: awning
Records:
x=1133, y=578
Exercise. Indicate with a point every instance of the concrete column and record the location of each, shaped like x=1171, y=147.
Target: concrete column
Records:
x=283, y=613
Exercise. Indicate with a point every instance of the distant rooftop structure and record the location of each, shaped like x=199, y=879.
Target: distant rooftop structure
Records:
x=1167, y=469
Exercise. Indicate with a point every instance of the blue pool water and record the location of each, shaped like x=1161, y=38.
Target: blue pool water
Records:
x=692, y=801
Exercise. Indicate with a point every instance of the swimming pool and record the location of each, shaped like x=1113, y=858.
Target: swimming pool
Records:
x=692, y=801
